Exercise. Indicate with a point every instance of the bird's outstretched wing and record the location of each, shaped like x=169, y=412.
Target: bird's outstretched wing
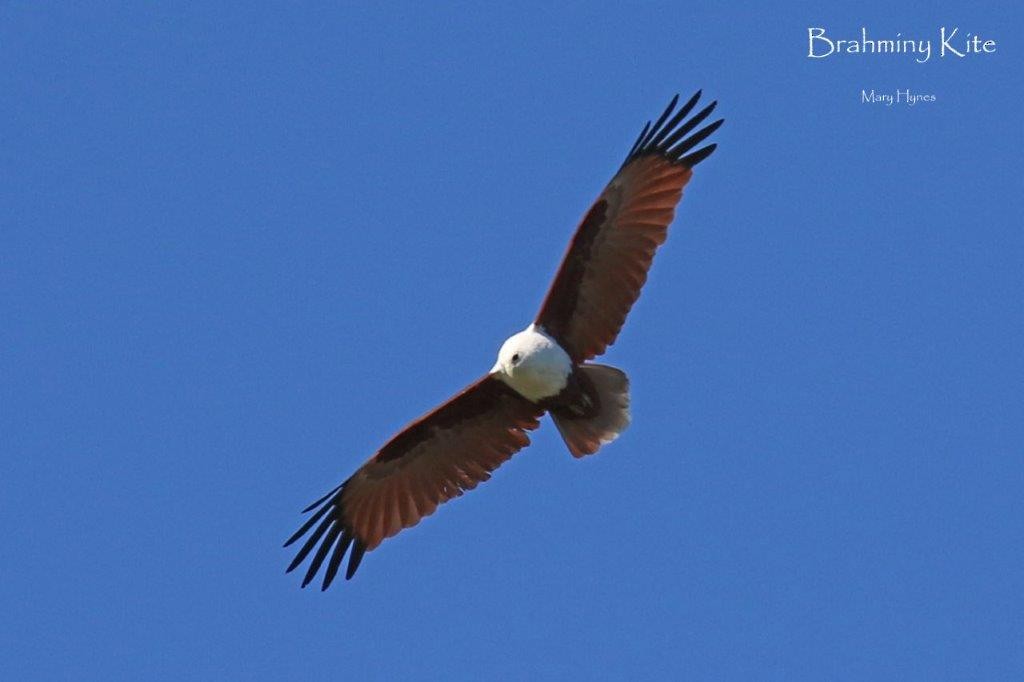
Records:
x=609, y=256
x=434, y=459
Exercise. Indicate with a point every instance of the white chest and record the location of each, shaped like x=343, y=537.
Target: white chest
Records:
x=533, y=364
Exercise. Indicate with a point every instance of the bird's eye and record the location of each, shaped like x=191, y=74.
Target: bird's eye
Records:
x=515, y=358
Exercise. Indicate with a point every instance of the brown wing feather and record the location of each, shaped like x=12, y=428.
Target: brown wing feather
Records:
x=435, y=458
x=611, y=252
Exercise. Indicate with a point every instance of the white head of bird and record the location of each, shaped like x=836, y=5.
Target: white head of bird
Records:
x=533, y=364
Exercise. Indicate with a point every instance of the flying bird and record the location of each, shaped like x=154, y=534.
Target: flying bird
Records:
x=545, y=368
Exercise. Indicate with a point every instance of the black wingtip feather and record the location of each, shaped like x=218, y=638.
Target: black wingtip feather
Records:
x=639, y=138
x=307, y=525
x=685, y=129
x=661, y=120
x=331, y=534
x=336, y=557
x=656, y=141
x=695, y=139
x=666, y=137
x=358, y=549
x=321, y=554
x=698, y=156
x=310, y=543
x=320, y=501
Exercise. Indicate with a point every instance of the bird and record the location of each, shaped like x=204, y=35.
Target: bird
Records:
x=544, y=369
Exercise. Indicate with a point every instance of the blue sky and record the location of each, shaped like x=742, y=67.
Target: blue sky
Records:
x=241, y=247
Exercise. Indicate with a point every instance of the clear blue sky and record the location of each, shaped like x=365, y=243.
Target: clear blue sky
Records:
x=241, y=247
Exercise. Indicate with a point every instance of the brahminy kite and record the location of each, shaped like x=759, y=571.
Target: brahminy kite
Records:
x=542, y=369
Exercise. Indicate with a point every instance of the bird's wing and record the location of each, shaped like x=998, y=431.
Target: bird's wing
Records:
x=434, y=459
x=608, y=258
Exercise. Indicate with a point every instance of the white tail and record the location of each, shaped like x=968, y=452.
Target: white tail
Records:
x=586, y=436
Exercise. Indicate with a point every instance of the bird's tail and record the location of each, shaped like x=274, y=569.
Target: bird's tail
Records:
x=586, y=435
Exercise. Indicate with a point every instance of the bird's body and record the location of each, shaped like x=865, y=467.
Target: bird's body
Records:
x=544, y=369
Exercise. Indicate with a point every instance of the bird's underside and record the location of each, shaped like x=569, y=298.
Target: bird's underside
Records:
x=543, y=369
